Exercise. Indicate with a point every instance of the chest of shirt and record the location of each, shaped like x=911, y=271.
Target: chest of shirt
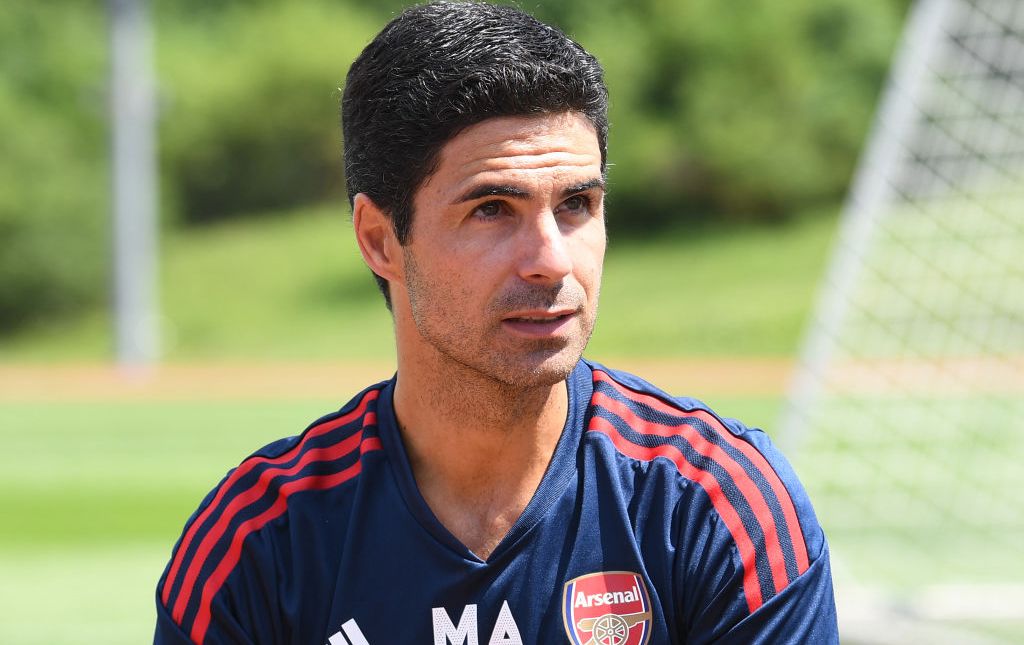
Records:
x=586, y=571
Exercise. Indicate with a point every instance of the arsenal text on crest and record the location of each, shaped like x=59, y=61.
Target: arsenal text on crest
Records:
x=607, y=608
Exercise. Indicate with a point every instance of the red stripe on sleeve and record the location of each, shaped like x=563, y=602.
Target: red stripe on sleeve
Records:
x=244, y=469
x=751, y=585
x=796, y=535
x=242, y=501
x=370, y=444
x=227, y=564
x=751, y=493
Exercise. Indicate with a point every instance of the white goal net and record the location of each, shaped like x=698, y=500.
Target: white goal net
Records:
x=906, y=417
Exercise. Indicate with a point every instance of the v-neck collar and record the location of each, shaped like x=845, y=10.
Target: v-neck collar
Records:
x=560, y=473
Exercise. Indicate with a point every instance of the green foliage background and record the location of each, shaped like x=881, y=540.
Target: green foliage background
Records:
x=53, y=176
x=723, y=111
x=736, y=109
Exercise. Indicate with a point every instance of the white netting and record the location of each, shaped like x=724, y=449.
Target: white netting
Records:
x=907, y=415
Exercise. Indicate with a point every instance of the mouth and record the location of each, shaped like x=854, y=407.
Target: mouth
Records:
x=539, y=324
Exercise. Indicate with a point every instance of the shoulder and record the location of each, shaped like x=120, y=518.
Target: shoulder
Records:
x=749, y=485
x=253, y=495
x=635, y=413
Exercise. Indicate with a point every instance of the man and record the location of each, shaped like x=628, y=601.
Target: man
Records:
x=499, y=489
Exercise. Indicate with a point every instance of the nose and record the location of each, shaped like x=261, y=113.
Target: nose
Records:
x=545, y=256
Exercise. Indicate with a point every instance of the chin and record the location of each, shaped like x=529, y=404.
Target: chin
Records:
x=537, y=371
x=514, y=364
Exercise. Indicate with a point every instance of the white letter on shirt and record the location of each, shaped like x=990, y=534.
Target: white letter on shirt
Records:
x=506, y=632
x=445, y=632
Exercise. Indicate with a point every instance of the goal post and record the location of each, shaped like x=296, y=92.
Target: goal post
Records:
x=906, y=413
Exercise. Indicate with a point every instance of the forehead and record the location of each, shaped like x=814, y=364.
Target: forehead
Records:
x=552, y=148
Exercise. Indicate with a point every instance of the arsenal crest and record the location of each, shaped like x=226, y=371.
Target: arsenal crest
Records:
x=607, y=608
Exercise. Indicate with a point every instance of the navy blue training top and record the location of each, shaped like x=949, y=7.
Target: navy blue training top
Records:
x=656, y=522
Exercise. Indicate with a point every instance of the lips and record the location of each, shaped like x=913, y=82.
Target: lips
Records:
x=538, y=324
x=538, y=319
x=542, y=315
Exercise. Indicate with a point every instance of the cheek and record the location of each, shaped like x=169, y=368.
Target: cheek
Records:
x=444, y=262
x=590, y=260
x=464, y=275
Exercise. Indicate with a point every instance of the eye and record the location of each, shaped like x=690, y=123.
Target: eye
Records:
x=576, y=204
x=488, y=210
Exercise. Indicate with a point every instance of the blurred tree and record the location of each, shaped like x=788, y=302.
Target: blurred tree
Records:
x=735, y=109
x=53, y=180
x=251, y=93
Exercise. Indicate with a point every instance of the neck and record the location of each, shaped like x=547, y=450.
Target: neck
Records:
x=451, y=413
x=478, y=447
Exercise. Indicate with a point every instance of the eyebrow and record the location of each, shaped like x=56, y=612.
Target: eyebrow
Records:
x=596, y=182
x=503, y=190
x=492, y=190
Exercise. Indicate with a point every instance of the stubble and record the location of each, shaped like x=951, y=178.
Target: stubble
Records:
x=475, y=340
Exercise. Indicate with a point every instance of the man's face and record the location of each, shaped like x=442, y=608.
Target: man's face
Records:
x=503, y=267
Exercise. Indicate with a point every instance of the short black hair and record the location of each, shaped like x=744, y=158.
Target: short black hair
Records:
x=439, y=68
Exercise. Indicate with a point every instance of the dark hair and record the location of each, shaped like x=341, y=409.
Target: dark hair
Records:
x=439, y=68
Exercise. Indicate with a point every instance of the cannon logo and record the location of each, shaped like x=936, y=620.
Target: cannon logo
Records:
x=607, y=608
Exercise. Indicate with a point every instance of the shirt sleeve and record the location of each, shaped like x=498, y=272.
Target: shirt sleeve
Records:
x=220, y=585
x=803, y=612
x=168, y=632
x=755, y=561
x=242, y=610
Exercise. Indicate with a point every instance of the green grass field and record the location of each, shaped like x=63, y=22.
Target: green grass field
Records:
x=95, y=494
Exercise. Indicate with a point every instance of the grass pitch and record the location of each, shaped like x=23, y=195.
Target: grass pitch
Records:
x=94, y=495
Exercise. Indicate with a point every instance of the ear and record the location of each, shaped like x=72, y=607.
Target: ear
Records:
x=377, y=240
